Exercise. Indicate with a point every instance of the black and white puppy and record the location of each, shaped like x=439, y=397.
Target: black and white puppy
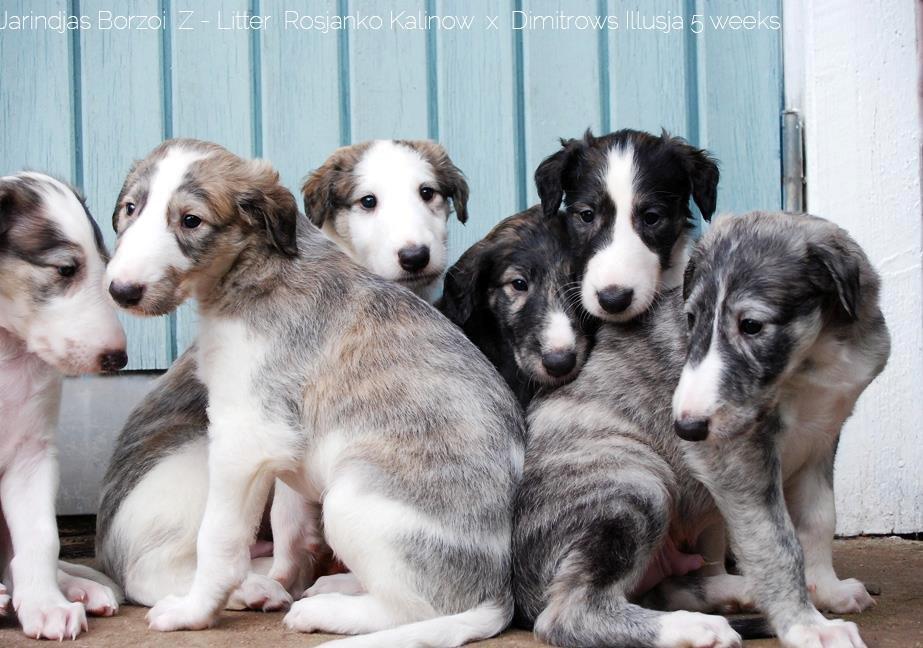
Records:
x=387, y=203
x=626, y=201
x=55, y=319
x=514, y=295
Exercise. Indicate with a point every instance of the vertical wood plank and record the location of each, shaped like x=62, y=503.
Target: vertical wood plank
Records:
x=212, y=92
x=122, y=118
x=647, y=76
x=479, y=134
x=562, y=82
x=301, y=94
x=388, y=75
x=740, y=85
x=37, y=130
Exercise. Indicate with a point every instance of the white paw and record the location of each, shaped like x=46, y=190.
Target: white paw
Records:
x=259, y=592
x=841, y=596
x=178, y=613
x=4, y=601
x=336, y=583
x=826, y=633
x=322, y=613
x=98, y=599
x=50, y=617
x=694, y=630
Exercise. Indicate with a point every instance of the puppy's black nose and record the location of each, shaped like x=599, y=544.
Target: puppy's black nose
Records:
x=694, y=429
x=614, y=299
x=126, y=294
x=413, y=257
x=559, y=363
x=112, y=360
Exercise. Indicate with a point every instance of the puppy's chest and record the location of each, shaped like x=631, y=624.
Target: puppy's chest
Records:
x=30, y=392
x=231, y=360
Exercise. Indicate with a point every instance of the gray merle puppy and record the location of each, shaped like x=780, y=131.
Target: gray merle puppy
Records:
x=610, y=491
x=354, y=392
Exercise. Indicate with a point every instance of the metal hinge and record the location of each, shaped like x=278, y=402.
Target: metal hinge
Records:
x=793, y=182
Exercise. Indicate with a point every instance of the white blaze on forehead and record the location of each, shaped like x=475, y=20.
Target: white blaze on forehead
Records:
x=698, y=393
x=558, y=334
x=148, y=247
x=64, y=208
x=626, y=262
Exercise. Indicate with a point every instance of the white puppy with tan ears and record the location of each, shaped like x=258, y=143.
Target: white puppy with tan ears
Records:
x=55, y=318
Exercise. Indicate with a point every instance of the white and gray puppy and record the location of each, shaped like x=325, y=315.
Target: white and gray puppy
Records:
x=146, y=537
x=55, y=319
x=610, y=489
x=360, y=396
x=386, y=202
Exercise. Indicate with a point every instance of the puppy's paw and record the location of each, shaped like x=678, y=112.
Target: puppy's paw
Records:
x=98, y=599
x=4, y=601
x=694, y=630
x=333, y=613
x=826, y=633
x=841, y=596
x=178, y=613
x=260, y=593
x=336, y=584
x=50, y=617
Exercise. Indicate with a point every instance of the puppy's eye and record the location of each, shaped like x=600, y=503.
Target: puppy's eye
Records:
x=67, y=270
x=750, y=326
x=368, y=202
x=690, y=320
x=427, y=193
x=650, y=218
x=587, y=215
x=520, y=284
x=191, y=221
x=129, y=208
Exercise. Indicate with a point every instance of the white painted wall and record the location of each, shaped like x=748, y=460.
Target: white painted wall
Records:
x=852, y=67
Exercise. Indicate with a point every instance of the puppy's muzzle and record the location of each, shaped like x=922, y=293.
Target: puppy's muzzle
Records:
x=559, y=363
x=691, y=429
x=126, y=294
x=614, y=299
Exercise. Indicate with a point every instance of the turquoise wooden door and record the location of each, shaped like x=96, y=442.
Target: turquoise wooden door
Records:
x=84, y=104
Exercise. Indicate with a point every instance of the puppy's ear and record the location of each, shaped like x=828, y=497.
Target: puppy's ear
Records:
x=7, y=201
x=461, y=290
x=836, y=272
x=451, y=180
x=324, y=188
x=266, y=204
x=703, y=174
x=551, y=173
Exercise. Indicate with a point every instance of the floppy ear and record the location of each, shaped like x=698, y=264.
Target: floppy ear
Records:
x=837, y=272
x=461, y=294
x=267, y=204
x=319, y=189
x=7, y=198
x=453, y=184
x=703, y=174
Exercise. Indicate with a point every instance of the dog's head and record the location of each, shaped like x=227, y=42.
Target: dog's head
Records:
x=387, y=203
x=52, y=262
x=184, y=215
x=759, y=289
x=520, y=277
x=626, y=202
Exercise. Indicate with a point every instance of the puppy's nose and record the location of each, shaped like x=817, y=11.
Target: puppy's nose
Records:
x=559, y=363
x=112, y=360
x=126, y=294
x=691, y=429
x=614, y=299
x=413, y=257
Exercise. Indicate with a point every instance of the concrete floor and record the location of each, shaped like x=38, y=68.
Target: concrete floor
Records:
x=894, y=565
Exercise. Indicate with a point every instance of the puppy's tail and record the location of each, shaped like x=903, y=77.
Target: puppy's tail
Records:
x=481, y=622
x=83, y=571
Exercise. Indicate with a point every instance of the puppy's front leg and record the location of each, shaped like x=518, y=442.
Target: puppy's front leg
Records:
x=238, y=485
x=813, y=510
x=744, y=476
x=27, y=490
